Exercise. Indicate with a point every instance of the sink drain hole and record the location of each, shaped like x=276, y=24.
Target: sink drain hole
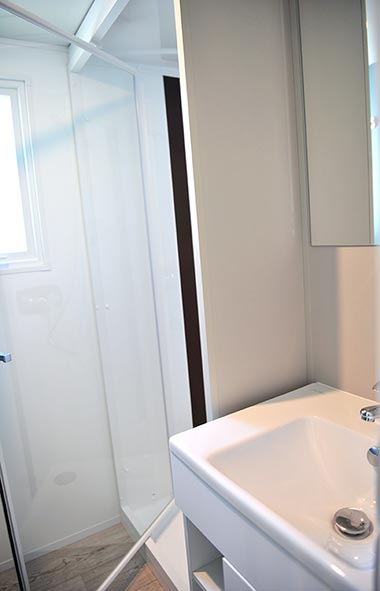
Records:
x=352, y=523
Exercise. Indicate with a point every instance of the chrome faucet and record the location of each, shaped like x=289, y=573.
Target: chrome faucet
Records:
x=371, y=413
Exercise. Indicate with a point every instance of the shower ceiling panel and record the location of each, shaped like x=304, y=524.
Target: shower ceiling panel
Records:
x=144, y=33
x=68, y=15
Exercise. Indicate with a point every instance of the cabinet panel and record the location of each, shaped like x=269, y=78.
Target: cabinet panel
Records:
x=233, y=536
x=233, y=581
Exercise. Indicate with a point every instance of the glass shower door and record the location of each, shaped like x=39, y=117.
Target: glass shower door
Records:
x=114, y=212
x=83, y=422
x=59, y=426
x=54, y=427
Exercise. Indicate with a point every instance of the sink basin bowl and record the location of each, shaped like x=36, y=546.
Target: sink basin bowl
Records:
x=305, y=471
x=288, y=465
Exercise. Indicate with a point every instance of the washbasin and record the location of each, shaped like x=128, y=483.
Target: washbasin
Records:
x=305, y=471
x=289, y=466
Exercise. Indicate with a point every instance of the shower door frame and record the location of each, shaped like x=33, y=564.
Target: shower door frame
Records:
x=11, y=523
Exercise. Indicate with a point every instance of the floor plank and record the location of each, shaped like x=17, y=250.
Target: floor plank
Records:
x=94, y=578
x=145, y=580
x=84, y=565
x=75, y=584
x=9, y=586
x=78, y=559
x=111, y=535
x=8, y=580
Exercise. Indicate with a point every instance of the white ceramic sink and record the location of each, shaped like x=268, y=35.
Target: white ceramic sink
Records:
x=288, y=465
x=305, y=471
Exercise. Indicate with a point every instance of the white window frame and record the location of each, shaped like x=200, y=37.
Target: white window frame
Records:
x=35, y=258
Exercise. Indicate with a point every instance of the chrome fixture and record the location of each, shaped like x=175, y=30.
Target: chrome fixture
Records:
x=373, y=456
x=371, y=413
x=352, y=522
x=5, y=357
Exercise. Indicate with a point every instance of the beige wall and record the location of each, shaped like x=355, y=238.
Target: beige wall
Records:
x=343, y=317
x=341, y=295
x=240, y=126
x=236, y=69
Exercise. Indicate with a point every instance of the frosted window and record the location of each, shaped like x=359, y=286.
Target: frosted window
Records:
x=22, y=245
x=12, y=223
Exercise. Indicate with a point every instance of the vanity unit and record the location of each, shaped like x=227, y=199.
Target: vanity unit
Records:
x=260, y=490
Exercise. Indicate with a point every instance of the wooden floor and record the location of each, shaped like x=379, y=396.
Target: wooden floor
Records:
x=84, y=565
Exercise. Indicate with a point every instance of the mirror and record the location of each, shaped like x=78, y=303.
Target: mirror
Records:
x=339, y=45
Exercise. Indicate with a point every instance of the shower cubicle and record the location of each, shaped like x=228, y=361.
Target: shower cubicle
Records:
x=91, y=313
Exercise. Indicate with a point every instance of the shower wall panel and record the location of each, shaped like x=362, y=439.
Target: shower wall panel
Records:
x=119, y=249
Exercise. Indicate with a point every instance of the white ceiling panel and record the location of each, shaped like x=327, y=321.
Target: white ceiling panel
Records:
x=144, y=33
x=66, y=14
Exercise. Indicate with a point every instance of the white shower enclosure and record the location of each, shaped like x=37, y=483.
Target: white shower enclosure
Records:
x=134, y=263
x=99, y=379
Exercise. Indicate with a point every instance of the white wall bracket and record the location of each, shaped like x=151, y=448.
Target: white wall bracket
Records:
x=95, y=25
